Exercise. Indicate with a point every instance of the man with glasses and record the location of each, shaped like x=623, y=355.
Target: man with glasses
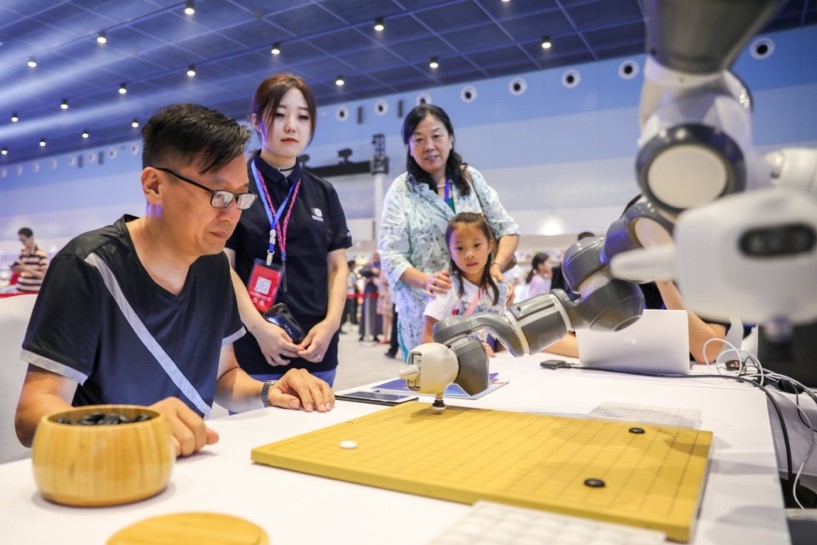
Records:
x=143, y=311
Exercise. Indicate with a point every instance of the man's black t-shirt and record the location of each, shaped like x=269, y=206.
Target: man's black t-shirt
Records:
x=101, y=319
x=316, y=227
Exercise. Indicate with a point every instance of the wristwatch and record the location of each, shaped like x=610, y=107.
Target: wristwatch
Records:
x=265, y=393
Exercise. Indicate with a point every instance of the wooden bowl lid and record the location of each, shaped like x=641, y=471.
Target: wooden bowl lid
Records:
x=191, y=529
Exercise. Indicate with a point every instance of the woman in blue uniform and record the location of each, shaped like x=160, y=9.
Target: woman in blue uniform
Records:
x=291, y=246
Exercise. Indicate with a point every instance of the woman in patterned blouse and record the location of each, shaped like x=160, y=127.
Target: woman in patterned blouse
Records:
x=416, y=210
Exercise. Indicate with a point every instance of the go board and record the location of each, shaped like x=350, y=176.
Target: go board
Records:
x=638, y=474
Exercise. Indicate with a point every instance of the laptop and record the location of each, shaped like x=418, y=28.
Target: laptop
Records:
x=656, y=344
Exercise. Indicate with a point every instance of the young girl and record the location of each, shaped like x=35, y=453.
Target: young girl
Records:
x=473, y=289
x=539, y=276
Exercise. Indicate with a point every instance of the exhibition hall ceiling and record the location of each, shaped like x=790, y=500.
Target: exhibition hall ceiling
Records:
x=150, y=45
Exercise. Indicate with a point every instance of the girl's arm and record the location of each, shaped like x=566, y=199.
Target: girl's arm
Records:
x=428, y=328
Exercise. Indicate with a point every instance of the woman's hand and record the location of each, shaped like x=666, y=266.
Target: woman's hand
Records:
x=489, y=350
x=313, y=347
x=276, y=346
x=437, y=283
x=496, y=274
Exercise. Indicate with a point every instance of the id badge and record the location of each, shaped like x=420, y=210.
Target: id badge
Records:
x=263, y=285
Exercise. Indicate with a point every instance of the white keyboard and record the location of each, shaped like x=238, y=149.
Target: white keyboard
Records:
x=489, y=523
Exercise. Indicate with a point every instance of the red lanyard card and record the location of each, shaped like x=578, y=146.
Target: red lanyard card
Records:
x=263, y=285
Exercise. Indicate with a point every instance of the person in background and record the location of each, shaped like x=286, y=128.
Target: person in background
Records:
x=371, y=323
x=394, y=344
x=384, y=305
x=142, y=312
x=291, y=247
x=31, y=264
x=474, y=290
x=418, y=205
x=350, y=309
x=538, y=278
x=557, y=280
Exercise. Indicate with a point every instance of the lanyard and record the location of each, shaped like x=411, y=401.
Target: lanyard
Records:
x=473, y=304
x=274, y=217
x=449, y=195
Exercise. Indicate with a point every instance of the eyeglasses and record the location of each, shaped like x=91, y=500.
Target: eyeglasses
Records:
x=219, y=198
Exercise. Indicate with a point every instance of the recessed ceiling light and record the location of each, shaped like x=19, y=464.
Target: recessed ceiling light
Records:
x=276, y=49
x=189, y=8
x=101, y=38
x=4, y=151
x=32, y=62
x=191, y=71
x=378, y=24
x=433, y=63
x=42, y=142
x=15, y=118
x=123, y=89
x=546, y=43
x=134, y=123
x=339, y=81
x=64, y=104
x=85, y=134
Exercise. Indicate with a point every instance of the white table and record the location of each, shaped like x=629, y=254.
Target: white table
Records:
x=742, y=501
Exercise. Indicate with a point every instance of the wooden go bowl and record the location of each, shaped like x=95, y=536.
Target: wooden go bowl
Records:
x=99, y=465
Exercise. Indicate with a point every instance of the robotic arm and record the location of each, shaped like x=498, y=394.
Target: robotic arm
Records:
x=736, y=230
x=600, y=302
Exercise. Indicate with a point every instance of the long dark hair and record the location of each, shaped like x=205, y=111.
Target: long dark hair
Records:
x=472, y=218
x=454, y=166
x=271, y=91
x=537, y=260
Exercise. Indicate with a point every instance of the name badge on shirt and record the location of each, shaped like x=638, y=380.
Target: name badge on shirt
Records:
x=264, y=283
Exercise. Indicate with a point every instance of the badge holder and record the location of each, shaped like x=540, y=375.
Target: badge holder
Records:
x=264, y=283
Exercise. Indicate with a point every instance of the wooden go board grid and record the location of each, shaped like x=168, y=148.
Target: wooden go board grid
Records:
x=653, y=479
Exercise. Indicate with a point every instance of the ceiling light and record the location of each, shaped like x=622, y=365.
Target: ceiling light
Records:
x=378, y=24
x=42, y=142
x=276, y=49
x=433, y=63
x=86, y=134
x=134, y=123
x=339, y=81
x=189, y=8
x=32, y=62
x=101, y=38
x=64, y=104
x=546, y=43
x=15, y=118
x=191, y=71
x=123, y=89
x=505, y=1
x=4, y=151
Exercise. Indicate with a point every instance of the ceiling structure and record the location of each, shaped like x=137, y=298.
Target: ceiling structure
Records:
x=151, y=44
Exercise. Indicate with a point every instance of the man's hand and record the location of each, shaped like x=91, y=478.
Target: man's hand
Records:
x=189, y=433
x=297, y=388
x=275, y=344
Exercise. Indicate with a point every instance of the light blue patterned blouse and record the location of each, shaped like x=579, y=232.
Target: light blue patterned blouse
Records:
x=412, y=234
